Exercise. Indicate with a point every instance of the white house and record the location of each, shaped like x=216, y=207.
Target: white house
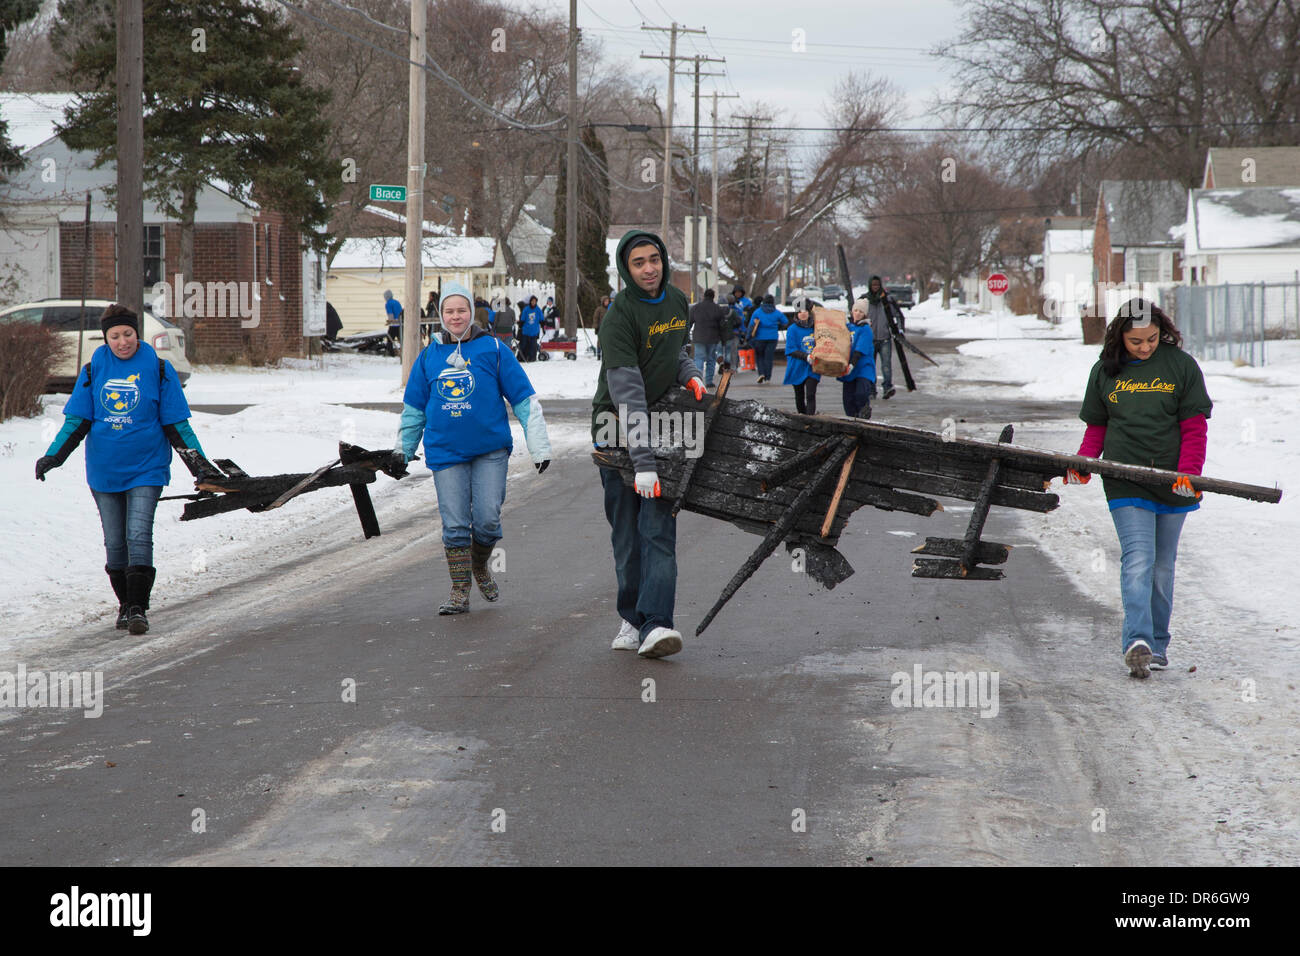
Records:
x=1067, y=288
x=1243, y=235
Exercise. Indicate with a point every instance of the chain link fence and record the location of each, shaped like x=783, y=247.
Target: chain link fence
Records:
x=1233, y=322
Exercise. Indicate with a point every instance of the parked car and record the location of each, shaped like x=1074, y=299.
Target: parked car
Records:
x=63, y=316
x=904, y=295
x=832, y=292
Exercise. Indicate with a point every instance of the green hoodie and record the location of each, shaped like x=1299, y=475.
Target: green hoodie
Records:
x=645, y=333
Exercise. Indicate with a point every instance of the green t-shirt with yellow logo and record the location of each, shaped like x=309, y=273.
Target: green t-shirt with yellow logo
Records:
x=1141, y=407
x=638, y=334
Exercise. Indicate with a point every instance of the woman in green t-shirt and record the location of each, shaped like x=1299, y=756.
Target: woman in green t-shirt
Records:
x=1146, y=404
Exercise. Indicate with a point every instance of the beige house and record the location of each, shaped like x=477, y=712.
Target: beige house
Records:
x=363, y=268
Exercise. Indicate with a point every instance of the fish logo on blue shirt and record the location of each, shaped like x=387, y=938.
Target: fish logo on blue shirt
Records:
x=455, y=385
x=119, y=396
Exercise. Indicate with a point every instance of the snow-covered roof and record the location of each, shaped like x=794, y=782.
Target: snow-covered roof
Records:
x=439, y=252
x=1066, y=241
x=433, y=227
x=31, y=116
x=1263, y=217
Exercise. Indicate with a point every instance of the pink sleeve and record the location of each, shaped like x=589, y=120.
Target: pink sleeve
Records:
x=1191, y=454
x=1094, y=439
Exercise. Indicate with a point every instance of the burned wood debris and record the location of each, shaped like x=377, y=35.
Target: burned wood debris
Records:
x=223, y=486
x=774, y=474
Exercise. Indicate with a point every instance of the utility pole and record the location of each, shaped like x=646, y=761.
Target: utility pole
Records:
x=744, y=182
x=695, y=172
x=713, y=250
x=415, y=193
x=668, y=120
x=571, y=186
x=130, y=155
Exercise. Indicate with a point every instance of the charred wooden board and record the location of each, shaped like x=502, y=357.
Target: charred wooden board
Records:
x=230, y=488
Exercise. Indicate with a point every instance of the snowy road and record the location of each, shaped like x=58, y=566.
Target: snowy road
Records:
x=514, y=735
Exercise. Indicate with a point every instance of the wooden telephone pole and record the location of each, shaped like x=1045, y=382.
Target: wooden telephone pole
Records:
x=672, y=59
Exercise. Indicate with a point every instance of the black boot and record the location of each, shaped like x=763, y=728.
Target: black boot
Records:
x=139, y=582
x=117, y=578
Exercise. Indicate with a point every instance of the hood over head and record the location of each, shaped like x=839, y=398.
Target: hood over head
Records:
x=631, y=237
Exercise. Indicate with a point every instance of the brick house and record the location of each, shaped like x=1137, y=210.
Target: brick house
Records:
x=253, y=272
x=1137, y=238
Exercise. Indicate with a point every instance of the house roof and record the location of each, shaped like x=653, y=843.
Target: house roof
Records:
x=31, y=116
x=1265, y=217
x=1142, y=212
x=439, y=252
x=1270, y=165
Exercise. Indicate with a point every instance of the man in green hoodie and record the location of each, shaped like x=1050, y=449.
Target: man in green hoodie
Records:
x=643, y=339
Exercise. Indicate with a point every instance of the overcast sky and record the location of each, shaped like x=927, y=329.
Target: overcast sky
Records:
x=888, y=38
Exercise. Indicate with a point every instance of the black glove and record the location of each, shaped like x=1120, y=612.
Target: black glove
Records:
x=44, y=464
x=396, y=466
x=542, y=466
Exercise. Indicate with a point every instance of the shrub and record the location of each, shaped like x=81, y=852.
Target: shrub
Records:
x=28, y=354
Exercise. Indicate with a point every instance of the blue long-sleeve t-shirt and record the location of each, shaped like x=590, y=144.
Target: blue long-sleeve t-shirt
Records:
x=465, y=409
x=863, y=352
x=770, y=323
x=797, y=370
x=530, y=321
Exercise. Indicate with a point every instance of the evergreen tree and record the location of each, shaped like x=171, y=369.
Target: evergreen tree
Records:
x=223, y=102
x=12, y=13
x=593, y=227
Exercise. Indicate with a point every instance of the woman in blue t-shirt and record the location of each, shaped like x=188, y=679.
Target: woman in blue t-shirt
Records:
x=130, y=404
x=454, y=403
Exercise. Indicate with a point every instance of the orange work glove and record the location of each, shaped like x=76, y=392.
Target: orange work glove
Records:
x=697, y=388
x=1073, y=477
x=1183, y=486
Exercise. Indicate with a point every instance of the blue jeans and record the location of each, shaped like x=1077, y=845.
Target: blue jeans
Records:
x=1148, y=549
x=127, y=520
x=764, y=353
x=470, y=496
x=643, y=532
x=731, y=353
x=706, y=357
x=857, y=396
x=884, y=350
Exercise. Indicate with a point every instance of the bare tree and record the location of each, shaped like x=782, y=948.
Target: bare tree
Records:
x=761, y=226
x=943, y=215
x=1161, y=78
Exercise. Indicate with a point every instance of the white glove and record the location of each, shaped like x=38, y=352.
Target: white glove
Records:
x=647, y=484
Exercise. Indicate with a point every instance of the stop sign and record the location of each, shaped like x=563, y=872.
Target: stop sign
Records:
x=998, y=283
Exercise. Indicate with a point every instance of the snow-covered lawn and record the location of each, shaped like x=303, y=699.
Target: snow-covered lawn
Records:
x=52, y=566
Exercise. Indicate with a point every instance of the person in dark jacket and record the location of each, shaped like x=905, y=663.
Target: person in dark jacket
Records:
x=882, y=342
x=732, y=333
x=530, y=328
x=707, y=319
x=643, y=342
x=129, y=406
x=595, y=320
x=333, y=324
x=764, y=330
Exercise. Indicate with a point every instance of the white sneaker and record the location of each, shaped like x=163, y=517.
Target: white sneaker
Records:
x=661, y=642
x=629, y=639
x=1138, y=659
